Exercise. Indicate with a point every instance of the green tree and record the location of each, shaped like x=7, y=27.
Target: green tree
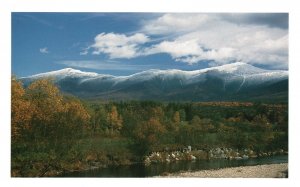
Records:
x=264, y=134
x=98, y=119
x=204, y=125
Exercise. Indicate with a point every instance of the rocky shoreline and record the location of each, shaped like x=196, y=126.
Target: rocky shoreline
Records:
x=208, y=154
x=259, y=171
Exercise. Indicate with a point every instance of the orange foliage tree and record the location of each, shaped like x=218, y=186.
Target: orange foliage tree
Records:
x=147, y=134
x=48, y=116
x=20, y=111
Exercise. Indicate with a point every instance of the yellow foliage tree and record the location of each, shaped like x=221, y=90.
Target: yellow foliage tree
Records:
x=148, y=132
x=115, y=121
x=176, y=117
x=46, y=104
x=54, y=117
x=21, y=113
x=78, y=116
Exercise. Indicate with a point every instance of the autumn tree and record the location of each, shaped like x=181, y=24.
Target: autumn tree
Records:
x=147, y=134
x=157, y=113
x=54, y=118
x=115, y=121
x=47, y=104
x=173, y=125
x=176, y=118
x=21, y=112
x=77, y=117
x=45, y=124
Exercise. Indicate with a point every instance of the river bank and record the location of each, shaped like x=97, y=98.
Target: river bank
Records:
x=259, y=171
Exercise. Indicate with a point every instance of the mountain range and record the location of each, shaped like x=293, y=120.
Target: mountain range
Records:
x=230, y=82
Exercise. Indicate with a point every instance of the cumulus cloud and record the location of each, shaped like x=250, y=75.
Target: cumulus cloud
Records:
x=170, y=23
x=213, y=37
x=192, y=38
x=190, y=51
x=119, y=45
x=44, y=50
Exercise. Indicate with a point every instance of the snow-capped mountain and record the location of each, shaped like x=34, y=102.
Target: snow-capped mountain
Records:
x=231, y=81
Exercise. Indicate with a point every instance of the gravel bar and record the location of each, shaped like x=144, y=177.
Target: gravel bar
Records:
x=259, y=171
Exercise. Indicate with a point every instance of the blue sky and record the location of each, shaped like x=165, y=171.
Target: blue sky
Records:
x=126, y=43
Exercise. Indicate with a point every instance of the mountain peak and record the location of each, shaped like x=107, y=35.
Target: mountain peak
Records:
x=63, y=73
x=239, y=68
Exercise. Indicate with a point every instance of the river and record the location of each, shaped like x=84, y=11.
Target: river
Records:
x=140, y=170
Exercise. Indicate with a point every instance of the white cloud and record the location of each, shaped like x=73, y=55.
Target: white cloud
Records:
x=209, y=37
x=221, y=55
x=85, y=51
x=192, y=38
x=119, y=45
x=44, y=50
x=170, y=23
x=191, y=51
x=176, y=48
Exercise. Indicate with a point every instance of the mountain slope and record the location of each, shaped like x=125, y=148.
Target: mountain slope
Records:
x=236, y=81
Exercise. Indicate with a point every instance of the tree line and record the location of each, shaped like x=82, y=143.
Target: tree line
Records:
x=46, y=124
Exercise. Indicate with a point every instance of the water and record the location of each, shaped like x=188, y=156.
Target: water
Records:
x=139, y=170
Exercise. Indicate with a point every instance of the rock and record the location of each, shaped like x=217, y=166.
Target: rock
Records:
x=223, y=156
x=253, y=156
x=218, y=150
x=147, y=160
x=245, y=157
x=238, y=158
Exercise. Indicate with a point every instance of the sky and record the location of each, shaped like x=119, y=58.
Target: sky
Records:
x=127, y=43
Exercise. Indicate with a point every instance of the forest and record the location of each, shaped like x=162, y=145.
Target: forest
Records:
x=54, y=132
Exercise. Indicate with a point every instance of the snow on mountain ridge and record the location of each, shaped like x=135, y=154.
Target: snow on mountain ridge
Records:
x=203, y=84
x=59, y=74
x=233, y=69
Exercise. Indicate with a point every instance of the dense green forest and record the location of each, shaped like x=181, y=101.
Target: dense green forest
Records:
x=54, y=132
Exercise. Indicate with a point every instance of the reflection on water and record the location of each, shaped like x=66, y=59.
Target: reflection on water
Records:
x=139, y=170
